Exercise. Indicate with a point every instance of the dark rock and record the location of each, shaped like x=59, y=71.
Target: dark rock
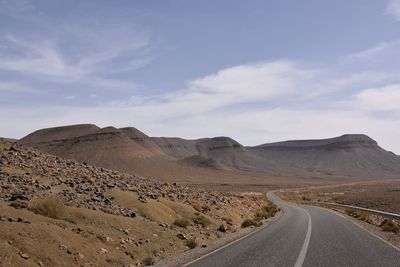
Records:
x=18, y=196
x=222, y=228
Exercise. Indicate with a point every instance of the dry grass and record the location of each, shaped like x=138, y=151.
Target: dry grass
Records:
x=251, y=222
x=50, y=207
x=390, y=226
x=267, y=211
x=182, y=223
x=201, y=220
x=41, y=239
x=361, y=215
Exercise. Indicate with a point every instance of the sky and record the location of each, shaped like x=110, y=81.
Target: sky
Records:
x=258, y=71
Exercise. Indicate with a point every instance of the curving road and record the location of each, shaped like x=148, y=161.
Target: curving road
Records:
x=305, y=236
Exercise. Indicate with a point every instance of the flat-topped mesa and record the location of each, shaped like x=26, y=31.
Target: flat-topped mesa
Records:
x=217, y=143
x=59, y=133
x=341, y=142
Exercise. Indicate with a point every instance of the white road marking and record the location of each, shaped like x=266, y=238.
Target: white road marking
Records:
x=361, y=227
x=231, y=243
x=304, y=249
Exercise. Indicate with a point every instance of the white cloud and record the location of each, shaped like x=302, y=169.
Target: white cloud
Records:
x=393, y=9
x=385, y=98
x=203, y=108
x=257, y=81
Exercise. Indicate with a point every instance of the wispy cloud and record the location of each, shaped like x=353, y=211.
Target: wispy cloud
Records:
x=371, y=52
x=274, y=106
x=34, y=57
x=78, y=52
x=15, y=7
x=393, y=9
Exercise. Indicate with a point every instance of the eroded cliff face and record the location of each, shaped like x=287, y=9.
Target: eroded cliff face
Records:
x=130, y=150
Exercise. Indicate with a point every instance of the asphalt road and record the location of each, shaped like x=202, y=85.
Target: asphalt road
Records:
x=305, y=236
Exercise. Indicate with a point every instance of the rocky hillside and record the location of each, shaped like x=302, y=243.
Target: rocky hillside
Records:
x=58, y=212
x=129, y=150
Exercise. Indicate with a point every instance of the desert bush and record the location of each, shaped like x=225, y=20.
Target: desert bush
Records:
x=363, y=216
x=201, y=220
x=251, y=222
x=191, y=243
x=390, y=226
x=266, y=211
x=49, y=207
x=182, y=223
x=148, y=261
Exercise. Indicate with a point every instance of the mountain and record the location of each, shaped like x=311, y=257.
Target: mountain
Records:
x=5, y=139
x=348, y=155
x=130, y=150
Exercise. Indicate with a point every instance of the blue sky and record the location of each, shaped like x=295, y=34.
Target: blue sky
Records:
x=258, y=71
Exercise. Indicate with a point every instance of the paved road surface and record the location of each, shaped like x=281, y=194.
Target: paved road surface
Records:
x=306, y=236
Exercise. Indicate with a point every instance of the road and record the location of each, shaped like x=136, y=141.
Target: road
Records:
x=305, y=236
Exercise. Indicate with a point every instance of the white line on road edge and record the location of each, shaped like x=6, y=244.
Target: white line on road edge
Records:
x=362, y=228
x=230, y=244
x=303, y=252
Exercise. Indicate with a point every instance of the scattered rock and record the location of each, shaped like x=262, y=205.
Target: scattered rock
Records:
x=181, y=236
x=23, y=255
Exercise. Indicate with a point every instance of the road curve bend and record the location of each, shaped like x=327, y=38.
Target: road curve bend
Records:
x=305, y=236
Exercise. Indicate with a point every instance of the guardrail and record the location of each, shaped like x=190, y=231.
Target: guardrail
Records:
x=388, y=215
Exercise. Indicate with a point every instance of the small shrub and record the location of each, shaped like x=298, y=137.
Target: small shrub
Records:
x=201, y=220
x=191, y=243
x=182, y=223
x=266, y=211
x=148, y=261
x=363, y=216
x=50, y=207
x=251, y=222
x=390, y=226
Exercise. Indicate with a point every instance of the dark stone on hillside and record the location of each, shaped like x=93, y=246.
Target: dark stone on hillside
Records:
x=19, y=196
x=19, y=204
x=222, y=228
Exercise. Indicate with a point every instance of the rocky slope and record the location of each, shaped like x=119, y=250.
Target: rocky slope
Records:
x=130, y=150
x=97, y=217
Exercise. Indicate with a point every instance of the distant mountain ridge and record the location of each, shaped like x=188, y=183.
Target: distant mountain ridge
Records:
x=130, y=150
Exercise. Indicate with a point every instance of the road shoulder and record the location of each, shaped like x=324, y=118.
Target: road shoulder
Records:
x=193, y=255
